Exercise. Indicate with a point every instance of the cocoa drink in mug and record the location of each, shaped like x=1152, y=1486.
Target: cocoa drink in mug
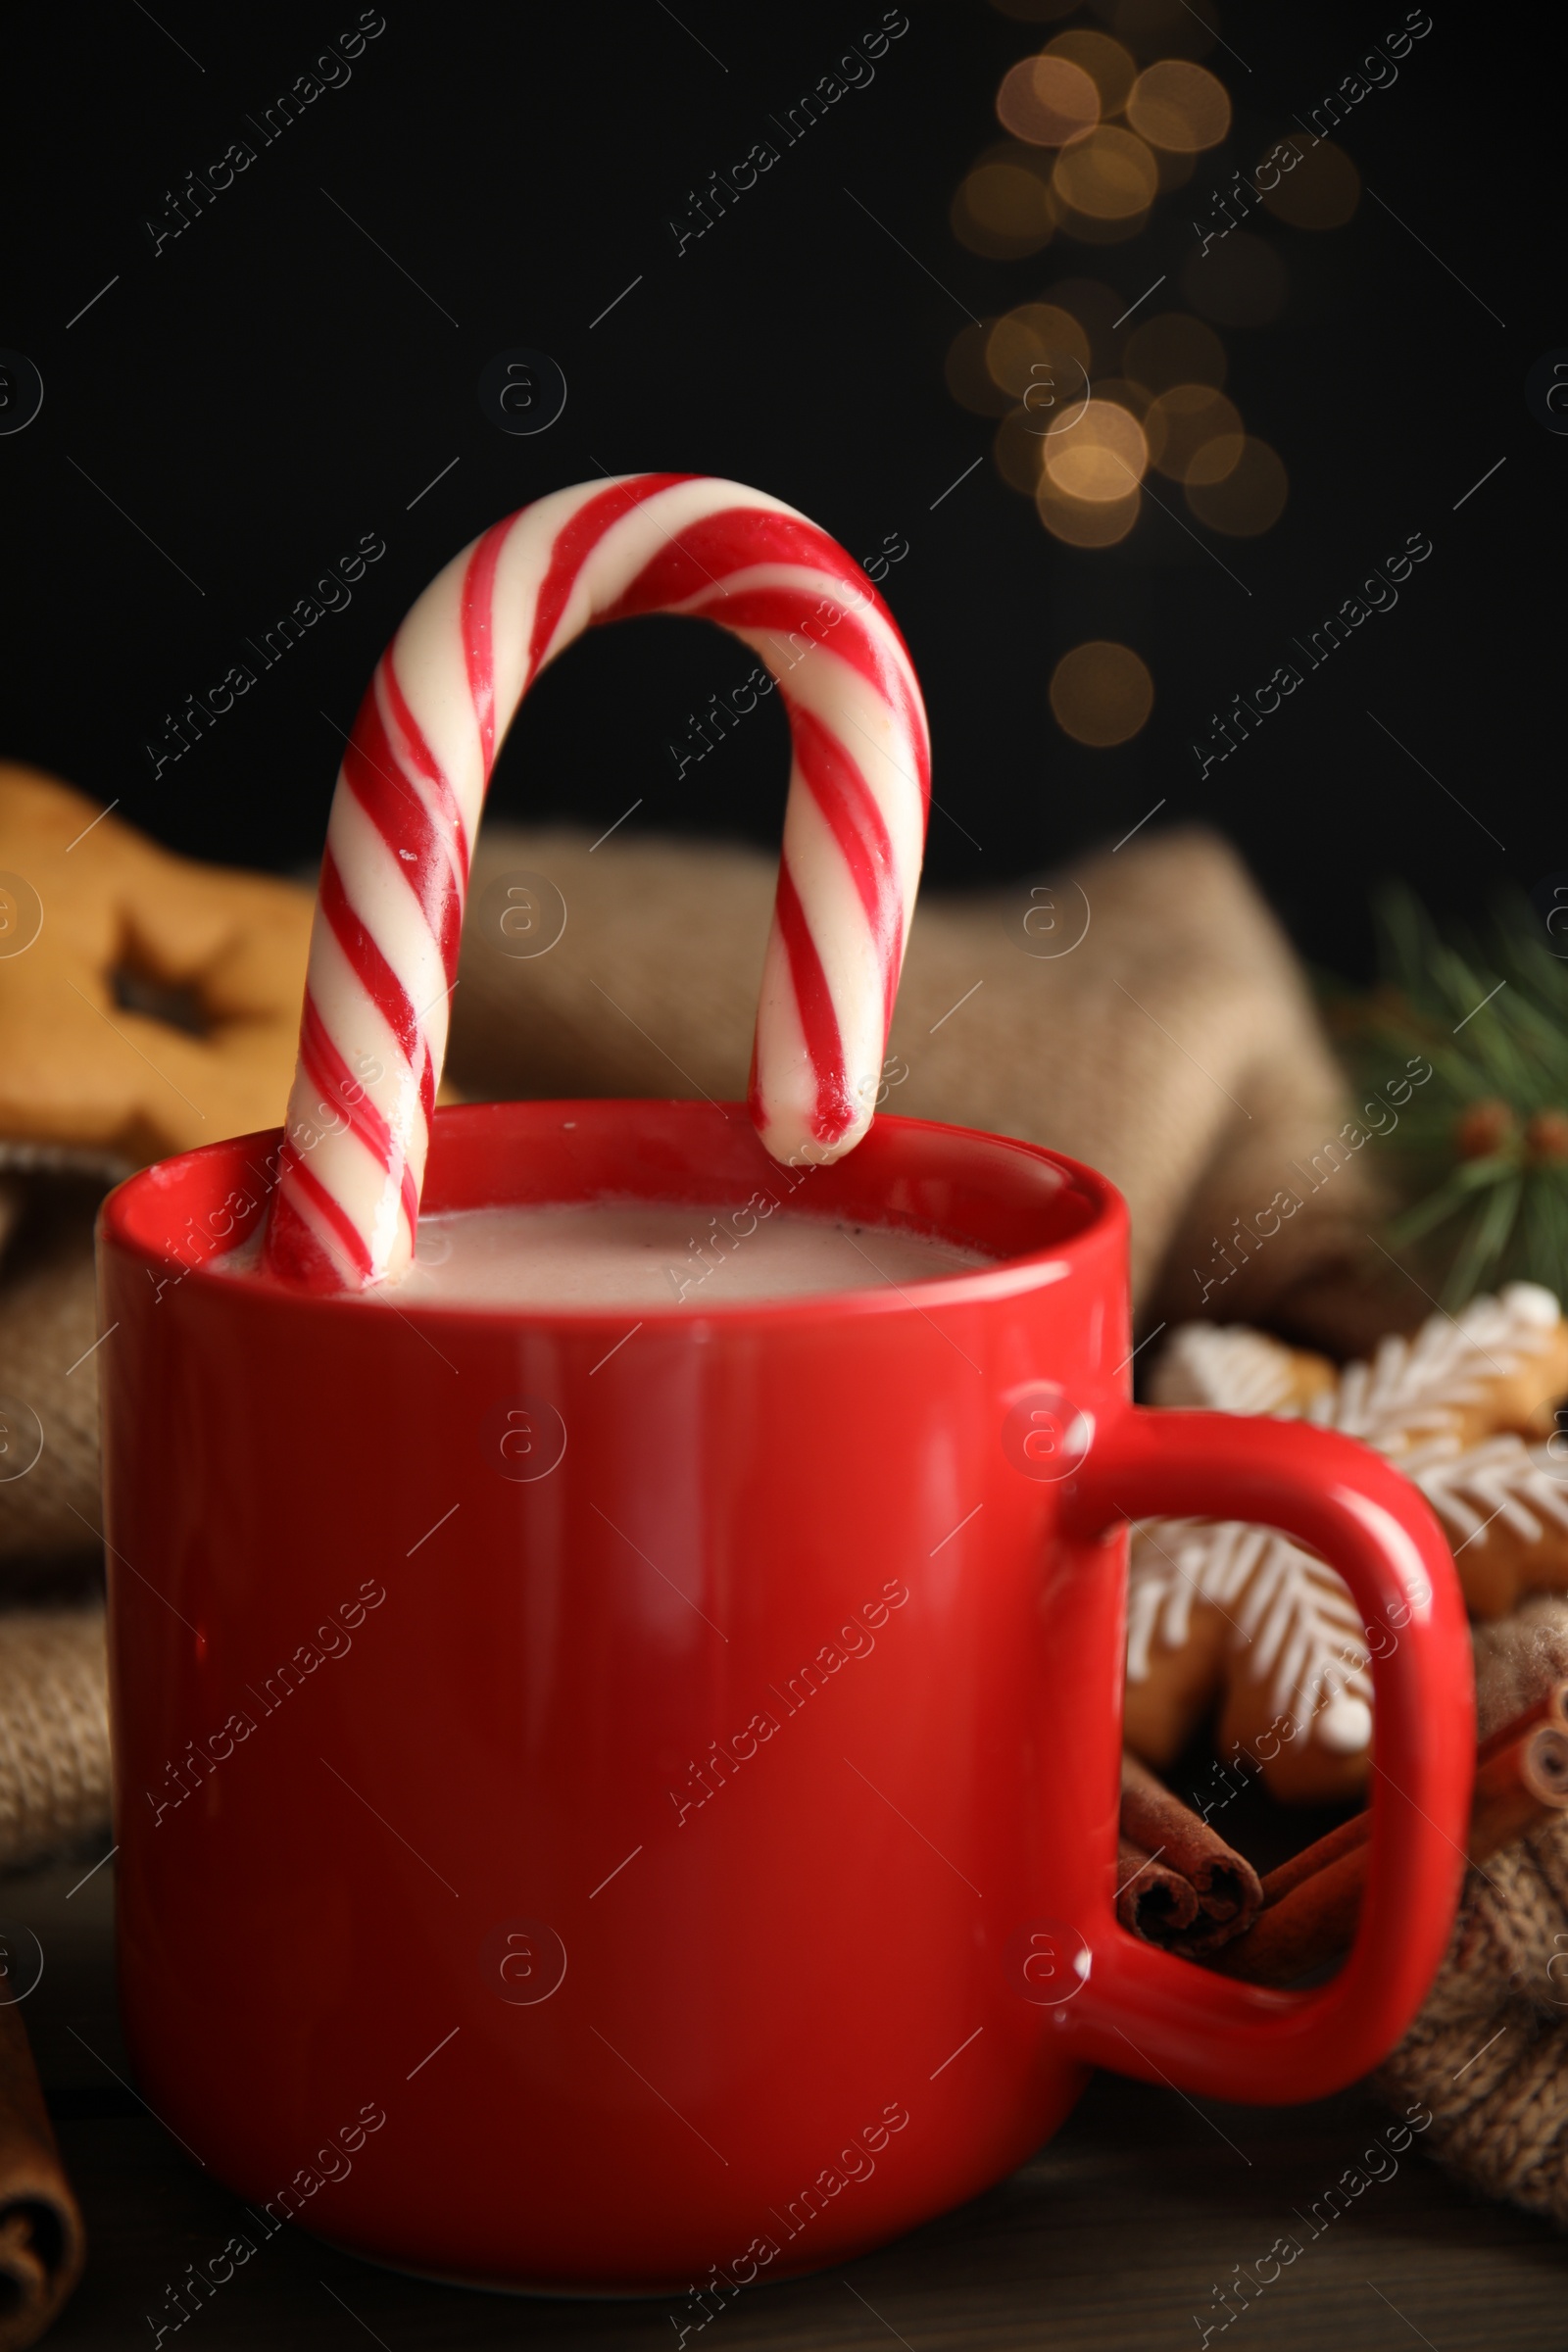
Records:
x=617, y=1711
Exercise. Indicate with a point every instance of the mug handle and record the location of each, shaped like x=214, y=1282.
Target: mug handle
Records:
x=1145, y=2012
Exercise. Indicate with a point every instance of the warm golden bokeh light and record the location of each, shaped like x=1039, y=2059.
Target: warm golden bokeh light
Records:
x=1003, y=210
x=1127, y=395
x=1178, y=105
x=1109, y=175
x=1097, y=309
x=1101, y=693
x=1183, y=421
x=969, y=379
x=1174, y=169
x=1215, y=459
x=1016, y=449
x=1248, y=498
x=1083, y=522
x=1085, y=409
x=1048, y=101
x=1110, y=67
x=1099, y=456
x=1154, y=28
x=1039, y=354
x=1174, y=349
x=1322, y=191
x=1239, y=281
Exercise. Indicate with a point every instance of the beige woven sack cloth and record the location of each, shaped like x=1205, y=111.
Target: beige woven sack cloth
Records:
x=54, y=1730
x=1489, y=2053
x=1144, y=1013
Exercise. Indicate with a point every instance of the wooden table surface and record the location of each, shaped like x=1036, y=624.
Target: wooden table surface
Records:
x=1115, y=2236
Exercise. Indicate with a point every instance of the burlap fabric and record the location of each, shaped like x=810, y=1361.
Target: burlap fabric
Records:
x=1145, y=1014
x=54, y=1731
x=1489, y=2053
x=54, y=1727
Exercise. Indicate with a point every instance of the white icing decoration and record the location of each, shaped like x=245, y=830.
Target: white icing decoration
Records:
x=1289, y=1608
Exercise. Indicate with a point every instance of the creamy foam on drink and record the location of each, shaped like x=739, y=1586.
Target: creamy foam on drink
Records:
x=637, y=1253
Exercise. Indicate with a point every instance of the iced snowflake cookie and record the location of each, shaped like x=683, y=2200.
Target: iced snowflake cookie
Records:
x=1219, y=1610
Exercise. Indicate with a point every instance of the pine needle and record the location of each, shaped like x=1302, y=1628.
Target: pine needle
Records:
x=1483, y=1145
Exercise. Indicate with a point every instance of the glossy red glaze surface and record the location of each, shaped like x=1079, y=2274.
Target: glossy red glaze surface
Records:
x=875, y=1912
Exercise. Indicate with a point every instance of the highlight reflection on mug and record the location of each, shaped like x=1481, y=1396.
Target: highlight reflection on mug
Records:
x=522, y=1961
x=523, y=1438
x=1045, y=1435
x=1047, y=1962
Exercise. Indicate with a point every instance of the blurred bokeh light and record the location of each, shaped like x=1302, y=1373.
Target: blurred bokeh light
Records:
x=1180, y=106
x=1110, y=67
x=1183, y=421
x=1034, y=343
x=968, y=378
x=1098, y=454
x=1097, y=309
x=1153, y=29
x=1037, y=357
x=1004, y=207
x=1109, y=175
x=1174, y=348
x=1321, y=192
x=1016, y=449
x=1086, y=522
x=1089, y=392
x=1048, y=101
x=1247, y=498
x=1101, y=693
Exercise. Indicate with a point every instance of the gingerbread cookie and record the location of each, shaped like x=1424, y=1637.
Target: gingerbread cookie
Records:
x=1500, y=1365
x=1219, y=1610
x=147, y=1002
x=1222, y=1612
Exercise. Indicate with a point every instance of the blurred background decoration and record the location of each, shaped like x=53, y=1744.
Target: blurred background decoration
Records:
x=1482, y=1149
x=1104, y=402
x=1037, y=302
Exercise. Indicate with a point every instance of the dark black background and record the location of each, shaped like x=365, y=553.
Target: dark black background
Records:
x=270, y=386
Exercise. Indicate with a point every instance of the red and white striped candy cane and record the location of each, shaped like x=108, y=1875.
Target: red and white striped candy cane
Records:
x=384, y=947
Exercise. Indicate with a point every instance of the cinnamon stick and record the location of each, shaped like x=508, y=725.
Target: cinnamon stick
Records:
x=1229, y=1892
x=42, y=2243
x=1550, y=1707
x=1312, y=1902
x=1309, y=1925
x=1313, y=1859
x=1154, y=1902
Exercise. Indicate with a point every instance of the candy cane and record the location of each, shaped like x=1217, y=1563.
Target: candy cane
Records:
x=384, y=947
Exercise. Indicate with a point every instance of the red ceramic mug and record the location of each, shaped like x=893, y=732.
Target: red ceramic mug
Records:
x=620, y=1810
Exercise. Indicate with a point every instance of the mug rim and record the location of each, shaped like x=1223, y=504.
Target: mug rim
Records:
x=130, y=1212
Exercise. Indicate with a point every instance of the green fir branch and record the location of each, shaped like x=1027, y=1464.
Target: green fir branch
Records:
x=1483, y=1145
